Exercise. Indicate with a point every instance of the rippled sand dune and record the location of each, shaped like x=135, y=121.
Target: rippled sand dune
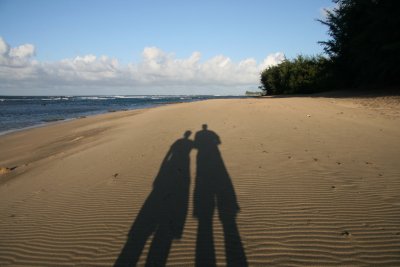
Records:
x=280, y=182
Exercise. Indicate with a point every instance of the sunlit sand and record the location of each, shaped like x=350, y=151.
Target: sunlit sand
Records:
x=263, y=182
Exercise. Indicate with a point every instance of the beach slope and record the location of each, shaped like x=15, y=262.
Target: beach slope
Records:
x=293, y=181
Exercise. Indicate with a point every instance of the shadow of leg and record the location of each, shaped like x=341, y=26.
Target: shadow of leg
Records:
x=160, y=246
x=235, y=255
x=133, y=248
x=205, y=251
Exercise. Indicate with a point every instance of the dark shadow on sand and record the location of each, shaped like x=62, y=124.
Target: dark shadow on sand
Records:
x=214, y=190
x=164, y=211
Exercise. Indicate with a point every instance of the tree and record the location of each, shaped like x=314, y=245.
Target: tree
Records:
x=365, y=41
x=301, y=75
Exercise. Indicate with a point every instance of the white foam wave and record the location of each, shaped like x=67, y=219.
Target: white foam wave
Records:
x=133, y=97
x=92, y=98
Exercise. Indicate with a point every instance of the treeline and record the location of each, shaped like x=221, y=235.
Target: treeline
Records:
x=363, y=50
x=301, y=75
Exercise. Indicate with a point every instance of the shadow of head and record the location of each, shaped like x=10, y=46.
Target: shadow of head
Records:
x=187, y=134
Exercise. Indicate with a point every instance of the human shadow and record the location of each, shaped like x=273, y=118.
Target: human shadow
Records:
x=164, y=211
x=214, y=189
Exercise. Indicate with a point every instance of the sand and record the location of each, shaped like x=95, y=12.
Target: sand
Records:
x=295, y=181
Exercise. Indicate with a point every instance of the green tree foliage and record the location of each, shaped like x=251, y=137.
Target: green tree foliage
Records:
x=364, y=50
x=365, y=41
x=301, y=75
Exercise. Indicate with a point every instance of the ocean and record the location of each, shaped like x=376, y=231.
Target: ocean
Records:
x=19, y=112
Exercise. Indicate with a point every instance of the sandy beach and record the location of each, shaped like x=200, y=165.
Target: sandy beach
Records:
x=291, y=181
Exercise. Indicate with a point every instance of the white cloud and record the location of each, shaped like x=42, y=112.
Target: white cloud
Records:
x=157, y=72
x=22, y=51
x=4, y=48
x=16, y=57
x=272, y=60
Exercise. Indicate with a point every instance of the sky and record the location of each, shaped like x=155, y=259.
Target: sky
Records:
x=87, y=47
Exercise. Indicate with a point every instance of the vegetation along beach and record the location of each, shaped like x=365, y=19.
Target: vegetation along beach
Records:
x=161, y=160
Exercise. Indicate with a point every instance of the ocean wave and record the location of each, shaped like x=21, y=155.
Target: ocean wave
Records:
x=51, y=99
x=132, y=96
x=54, y=98
x=92, y=98
x=20, y=99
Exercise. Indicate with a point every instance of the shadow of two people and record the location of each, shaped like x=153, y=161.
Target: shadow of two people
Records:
x=164, y=212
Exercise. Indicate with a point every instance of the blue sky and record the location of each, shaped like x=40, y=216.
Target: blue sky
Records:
x=110, y=38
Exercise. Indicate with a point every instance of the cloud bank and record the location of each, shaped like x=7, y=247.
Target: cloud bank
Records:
x=157, y=72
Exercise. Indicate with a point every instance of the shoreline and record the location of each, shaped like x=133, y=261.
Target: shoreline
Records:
x=338, y=94
x=49, y=123
x=305, y=180
x=107, y=104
